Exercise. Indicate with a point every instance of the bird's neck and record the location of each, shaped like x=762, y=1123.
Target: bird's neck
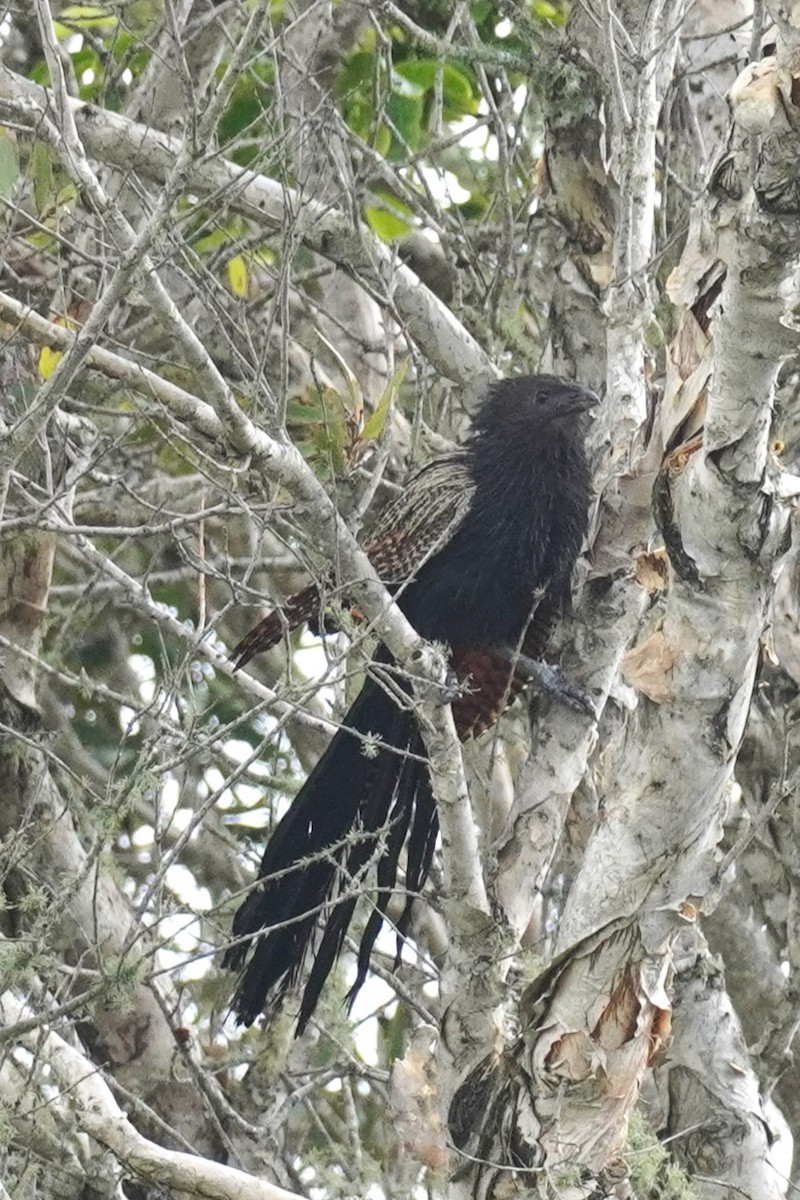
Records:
x=521, y=461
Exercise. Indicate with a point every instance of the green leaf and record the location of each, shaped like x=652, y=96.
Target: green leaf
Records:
x=383, y=139
x=481, y=9
x=322, y=428
x=264, y=256
x=386, y=224
x=546, y=11
x=9, y=165
x=66, y=196
x=474, y=208
x=86, y=16
x=49, y=360
x=356, y=74
x=420, y=71
x=405, y=113
x=238, y=276
x=457, y=92
x=246, y=114
x=394, y=202
x=142, y=16
x=330, y=438
x=394, y=1033
x=391, y=217
x=210, y=241
x=375, y=423
x=404, y=83
x=305, y=410
x=42, y=174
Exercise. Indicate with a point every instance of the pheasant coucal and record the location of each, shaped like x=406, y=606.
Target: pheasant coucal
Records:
x=478, y=550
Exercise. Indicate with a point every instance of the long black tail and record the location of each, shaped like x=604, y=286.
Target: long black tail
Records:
x=368, y=795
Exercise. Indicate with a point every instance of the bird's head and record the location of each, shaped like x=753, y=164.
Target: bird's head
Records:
x=535, y=400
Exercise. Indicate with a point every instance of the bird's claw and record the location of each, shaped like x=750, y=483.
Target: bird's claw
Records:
x=452, y=687
x=552, y=682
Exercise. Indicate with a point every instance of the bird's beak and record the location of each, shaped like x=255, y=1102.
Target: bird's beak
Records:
x=585, y=401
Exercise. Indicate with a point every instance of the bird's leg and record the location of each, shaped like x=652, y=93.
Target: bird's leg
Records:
x=551, y=681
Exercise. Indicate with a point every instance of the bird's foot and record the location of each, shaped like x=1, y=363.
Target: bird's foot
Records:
x=552, y=682
x=453, y=688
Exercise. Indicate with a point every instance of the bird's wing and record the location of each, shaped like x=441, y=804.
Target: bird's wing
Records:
x=422, y=519
x=417, y=524
x=301, y=607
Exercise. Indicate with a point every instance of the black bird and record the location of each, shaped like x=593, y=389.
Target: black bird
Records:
x=479, y=550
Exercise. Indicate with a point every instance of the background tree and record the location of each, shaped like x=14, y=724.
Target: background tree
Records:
x=257, y=261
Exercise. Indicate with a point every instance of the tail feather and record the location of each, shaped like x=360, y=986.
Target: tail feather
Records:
x=336, y=927
x=369, y=796
x=421, y=845
x=355, y=806
x=419, y=856
x=376, y=814
x=410, y=784
x=299, y=871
